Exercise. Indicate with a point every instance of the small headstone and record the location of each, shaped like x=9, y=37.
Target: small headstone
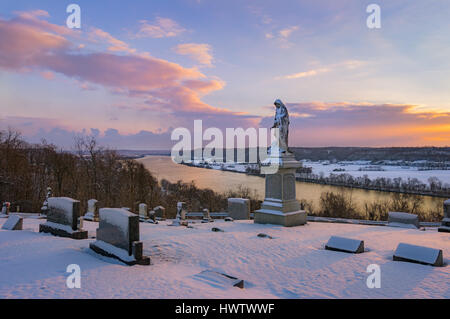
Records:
x=239, y=208
x=5, y=208
x=419, y=254
x=143, y=211
x=152, y=217
x=228, y=219
x=13, y=222
x=118, y=237
x=215, y=229
x=446, y=221
x=404, y=220
x=180, y=220
x=347, y=245
x=92, y=212
x=262, y=235
x=44, y=207
x=219, y=279
x=160, y=212
x=63, y=218
x=206, y=216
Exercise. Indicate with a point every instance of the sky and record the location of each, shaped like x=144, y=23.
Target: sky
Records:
x=135, y=71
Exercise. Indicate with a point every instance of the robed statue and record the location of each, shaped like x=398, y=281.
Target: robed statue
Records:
x=281, y=122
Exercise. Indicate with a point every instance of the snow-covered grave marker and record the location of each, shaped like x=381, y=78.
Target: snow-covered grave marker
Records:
x=63, y=218
x=239, y=208
x=160, y=212
x=13, y=223
x=118, y=237
x=5, y=209
x=206, y=216
x=180, y=220
x=347, y=245
x=419, y=254
x=404, y=220
x=143, y=211
x=218, y=279
x=446, y=221
x=92, y=213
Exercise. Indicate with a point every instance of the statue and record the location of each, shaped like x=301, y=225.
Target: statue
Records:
x=281, y=122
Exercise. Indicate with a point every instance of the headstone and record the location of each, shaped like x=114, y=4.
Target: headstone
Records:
x=180, y=220
x=419, y=254
x=63, y=218
x=143, y=211
x=404, y=220
x=239, y=208
x=347, y=245
x=216, y=229
x=118, y=237
x=44, y=207
x=280, y=206
x=218, y=279
x=262, y=235
x=206, y=216
x=5, y=208
x=13, y=222
x=160, y=212
x=228, y=219
x=92, y=211
x=446, y=221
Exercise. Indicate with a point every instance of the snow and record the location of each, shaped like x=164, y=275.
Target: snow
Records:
x=113, y=250
x=66, y=228
x=418, y=253
x=293, y=264
x=387, y=171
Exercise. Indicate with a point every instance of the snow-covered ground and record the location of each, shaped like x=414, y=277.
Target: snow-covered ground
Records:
x=291, y=265
x=388, y=171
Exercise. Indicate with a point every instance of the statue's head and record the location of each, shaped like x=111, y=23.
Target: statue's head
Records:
x=278, y=103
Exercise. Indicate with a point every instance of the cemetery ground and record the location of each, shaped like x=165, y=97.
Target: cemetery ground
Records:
x=290, y=262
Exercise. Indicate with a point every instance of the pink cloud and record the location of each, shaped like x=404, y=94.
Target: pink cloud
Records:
x=199, y=52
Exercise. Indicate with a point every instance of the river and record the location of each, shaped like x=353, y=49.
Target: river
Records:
x=163, y=167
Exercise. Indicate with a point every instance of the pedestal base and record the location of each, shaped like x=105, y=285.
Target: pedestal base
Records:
x=290, y=219
x=78, y=234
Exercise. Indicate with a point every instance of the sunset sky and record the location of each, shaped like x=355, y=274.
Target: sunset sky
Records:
x=136, y=70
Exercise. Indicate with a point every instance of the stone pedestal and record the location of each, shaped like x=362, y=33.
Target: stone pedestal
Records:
x=445, y=228
x=280, y=206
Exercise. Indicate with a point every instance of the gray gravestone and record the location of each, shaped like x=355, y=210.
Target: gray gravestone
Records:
x=239, y=208
x=92, y=212
x=63, y=218
x=13, y=222
x=180, y=219
x=160, y=212
x=5, y=208
x=404, y=220
x=347, y=245
x=118, y=237
x=419, y=254
x=446, y=221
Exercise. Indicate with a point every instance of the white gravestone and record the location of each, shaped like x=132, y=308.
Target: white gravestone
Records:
x=143, y=211
x=92, y=211
x=180, y=219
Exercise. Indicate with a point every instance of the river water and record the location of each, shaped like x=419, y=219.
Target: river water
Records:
x=163, y=167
